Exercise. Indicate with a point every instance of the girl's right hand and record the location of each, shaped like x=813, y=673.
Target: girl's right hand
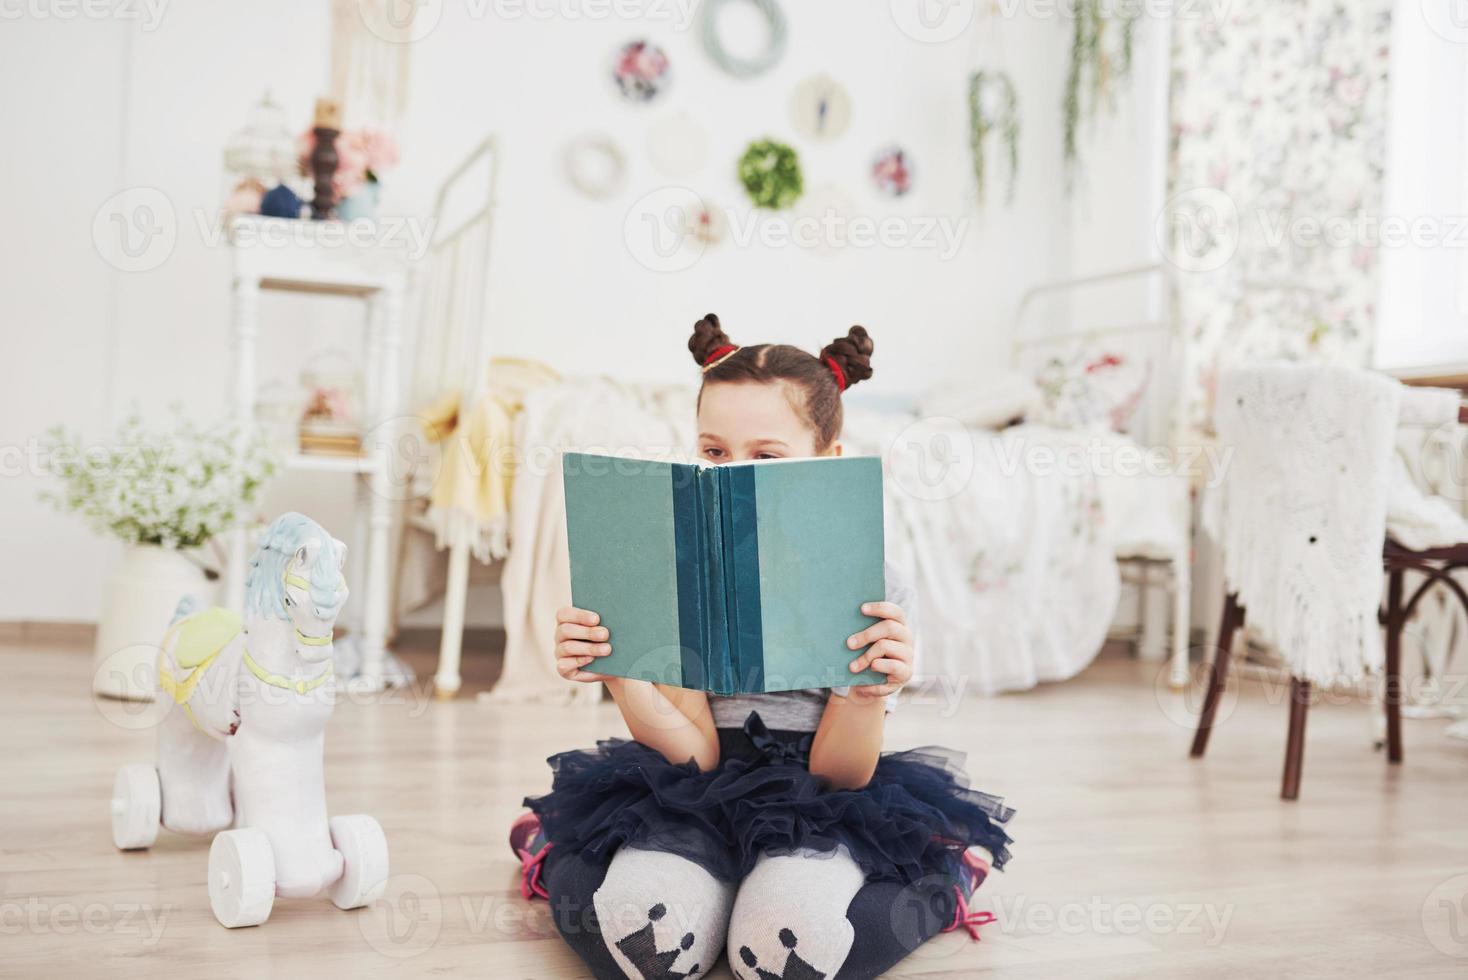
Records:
x=579, y=641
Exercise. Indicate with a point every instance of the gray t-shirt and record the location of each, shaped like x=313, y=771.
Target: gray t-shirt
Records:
x=800, y=711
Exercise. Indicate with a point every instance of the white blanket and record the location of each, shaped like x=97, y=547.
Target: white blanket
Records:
x=1301, y=511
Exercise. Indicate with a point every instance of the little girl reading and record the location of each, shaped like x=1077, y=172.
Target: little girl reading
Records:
x=770, y=824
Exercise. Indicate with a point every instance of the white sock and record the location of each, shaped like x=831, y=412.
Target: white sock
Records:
x=791, y=913
x=662, y=916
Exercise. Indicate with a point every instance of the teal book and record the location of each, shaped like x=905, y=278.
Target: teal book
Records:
x=733, y=579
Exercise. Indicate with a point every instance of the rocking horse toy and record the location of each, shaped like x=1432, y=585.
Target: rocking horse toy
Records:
x=242, y=742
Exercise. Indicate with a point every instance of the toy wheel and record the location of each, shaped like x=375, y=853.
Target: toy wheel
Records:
x=137, y=806
x=363, y=848
x=241, y=877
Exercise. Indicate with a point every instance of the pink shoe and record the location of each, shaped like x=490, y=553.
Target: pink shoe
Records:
x=527, y=840
x=975, y=869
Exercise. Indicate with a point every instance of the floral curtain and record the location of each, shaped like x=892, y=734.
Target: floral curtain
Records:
x=1278, y=131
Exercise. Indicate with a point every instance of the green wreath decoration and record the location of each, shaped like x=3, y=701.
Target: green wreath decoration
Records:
x=770, y=173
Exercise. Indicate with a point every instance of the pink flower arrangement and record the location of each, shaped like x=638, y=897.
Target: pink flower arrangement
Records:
x=361, y=155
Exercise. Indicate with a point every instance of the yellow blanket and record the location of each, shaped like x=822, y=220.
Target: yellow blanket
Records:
x=470, y=501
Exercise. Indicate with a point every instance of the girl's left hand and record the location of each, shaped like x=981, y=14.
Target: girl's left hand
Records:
x=889, y=651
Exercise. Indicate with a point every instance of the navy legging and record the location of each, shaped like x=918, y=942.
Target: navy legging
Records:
x=884, y=934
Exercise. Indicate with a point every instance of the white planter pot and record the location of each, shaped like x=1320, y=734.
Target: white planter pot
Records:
x=138, y=602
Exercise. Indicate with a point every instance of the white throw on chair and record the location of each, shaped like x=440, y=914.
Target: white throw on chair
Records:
x=1301, y=516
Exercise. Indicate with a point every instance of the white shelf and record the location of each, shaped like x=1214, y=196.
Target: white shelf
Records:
x=325, y=463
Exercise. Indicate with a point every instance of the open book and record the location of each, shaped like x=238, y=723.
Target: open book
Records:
x=733, y=579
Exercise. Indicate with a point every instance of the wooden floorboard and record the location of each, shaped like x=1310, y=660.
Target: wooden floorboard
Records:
x=1130, y=860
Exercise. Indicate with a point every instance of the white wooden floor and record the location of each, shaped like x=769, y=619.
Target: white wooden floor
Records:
x=1130, y=860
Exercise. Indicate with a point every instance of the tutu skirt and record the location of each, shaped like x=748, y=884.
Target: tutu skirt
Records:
x=914, y=818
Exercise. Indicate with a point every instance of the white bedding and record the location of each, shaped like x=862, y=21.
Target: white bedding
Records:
x=1015, y=568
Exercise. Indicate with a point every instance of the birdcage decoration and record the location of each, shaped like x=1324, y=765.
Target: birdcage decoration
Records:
x=260, y=155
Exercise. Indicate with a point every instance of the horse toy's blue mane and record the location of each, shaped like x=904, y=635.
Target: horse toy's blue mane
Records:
x=265, y=581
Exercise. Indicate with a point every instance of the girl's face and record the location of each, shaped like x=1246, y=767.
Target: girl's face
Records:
x=740, y=421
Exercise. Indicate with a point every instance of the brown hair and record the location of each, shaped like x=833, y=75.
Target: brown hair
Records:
x=814, y=377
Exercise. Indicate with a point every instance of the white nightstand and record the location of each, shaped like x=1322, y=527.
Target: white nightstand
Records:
x=326, y=258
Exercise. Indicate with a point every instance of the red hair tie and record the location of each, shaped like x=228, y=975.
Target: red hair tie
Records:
x=836, y=370
x=717, y=355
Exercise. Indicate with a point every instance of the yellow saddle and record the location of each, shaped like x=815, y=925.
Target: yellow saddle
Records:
x=200, y=637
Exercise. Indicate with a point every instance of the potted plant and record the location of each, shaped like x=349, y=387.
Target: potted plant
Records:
x=164, y=494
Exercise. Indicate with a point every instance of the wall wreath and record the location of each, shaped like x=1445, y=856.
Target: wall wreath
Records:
x=737, y=66
x=770, y=173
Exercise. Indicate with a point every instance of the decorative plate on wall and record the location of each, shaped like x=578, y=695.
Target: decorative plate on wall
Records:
x=820, y=108
x=892, y=172
x=641, y=71
x=678, y=145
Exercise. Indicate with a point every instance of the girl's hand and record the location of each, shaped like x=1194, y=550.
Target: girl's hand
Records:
x=579, y=641
x=890, y=651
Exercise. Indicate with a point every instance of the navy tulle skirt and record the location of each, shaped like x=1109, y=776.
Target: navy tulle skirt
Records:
x=915, y=818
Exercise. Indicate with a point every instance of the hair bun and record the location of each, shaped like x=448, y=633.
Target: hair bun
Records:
x=853, y=354
x=707, y=337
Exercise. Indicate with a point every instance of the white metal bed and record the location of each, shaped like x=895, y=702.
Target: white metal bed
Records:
x=1144, y=318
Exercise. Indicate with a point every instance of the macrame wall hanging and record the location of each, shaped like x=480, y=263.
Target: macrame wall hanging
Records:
x=1102, y=38
x=993, y=111
x=371, y=59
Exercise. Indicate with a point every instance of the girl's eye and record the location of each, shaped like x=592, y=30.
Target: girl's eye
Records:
x=713, y=452
x=766, y=456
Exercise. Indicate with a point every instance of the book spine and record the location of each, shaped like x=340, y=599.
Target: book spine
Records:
x=742, y=578
x=719, y=667
x=691, y=554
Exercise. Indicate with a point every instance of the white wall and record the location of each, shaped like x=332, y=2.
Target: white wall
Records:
x=122, y=107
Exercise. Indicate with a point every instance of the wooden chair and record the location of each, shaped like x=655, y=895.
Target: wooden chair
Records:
x=1436, y=565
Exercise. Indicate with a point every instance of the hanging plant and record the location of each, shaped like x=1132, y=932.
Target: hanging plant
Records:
x=770, y=173
x=1101, y=45
x=993, y=107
